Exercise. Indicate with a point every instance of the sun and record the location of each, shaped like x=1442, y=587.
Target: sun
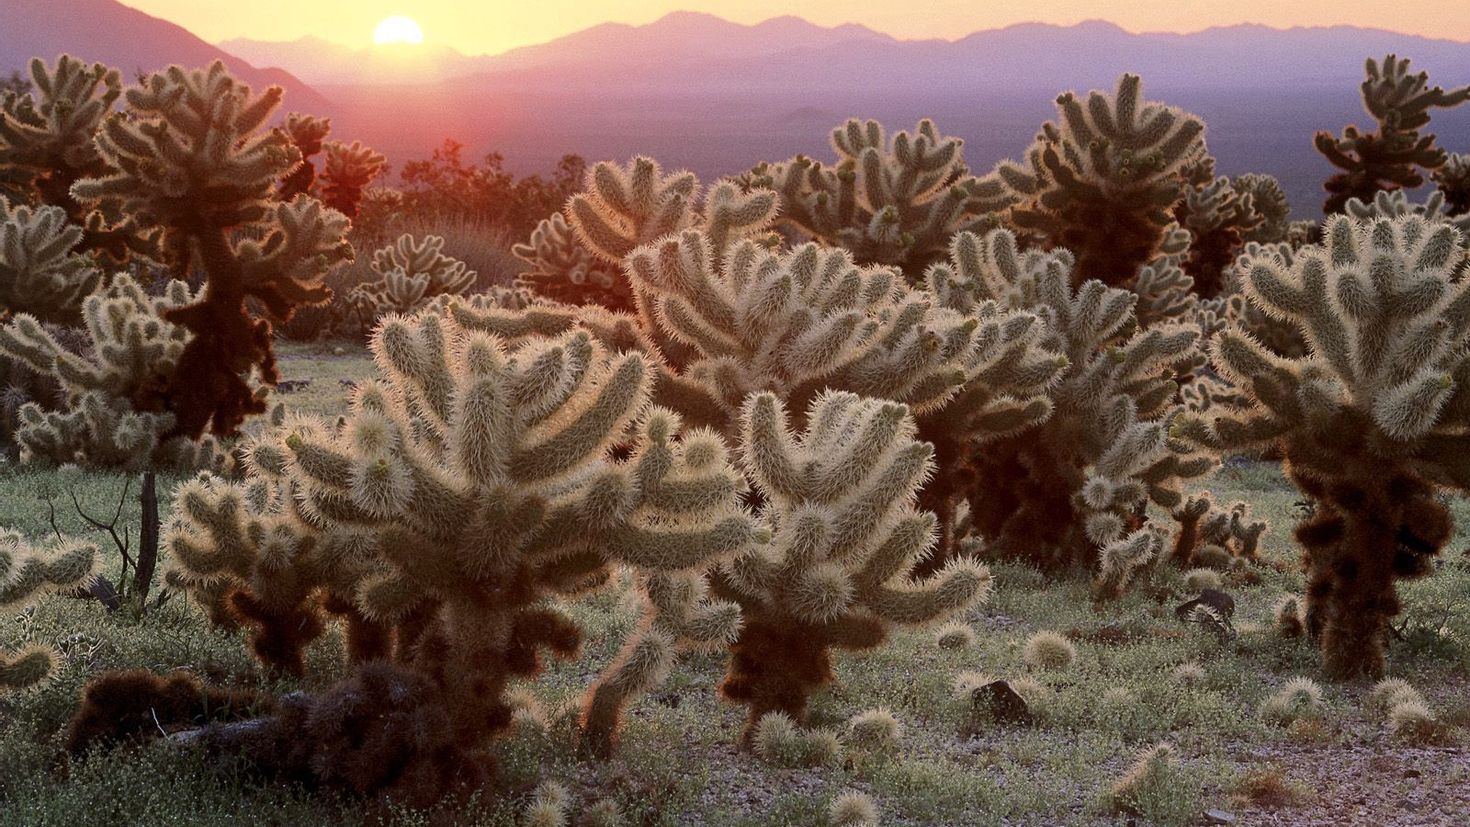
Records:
x=398, y=29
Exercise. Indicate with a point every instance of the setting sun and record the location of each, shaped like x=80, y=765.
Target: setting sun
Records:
x=398, y=29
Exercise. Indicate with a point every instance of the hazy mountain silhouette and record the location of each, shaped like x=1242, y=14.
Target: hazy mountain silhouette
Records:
x=106, y=31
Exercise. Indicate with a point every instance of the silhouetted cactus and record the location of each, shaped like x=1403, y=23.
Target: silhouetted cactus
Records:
x=887, y=201
x=192, y=163
x=25, y=573
x=839, y=500
x=348, y=171
x=1102, y=181
x=1370, y=422
x=1397, y=153
x=307, y=134
x=1219, y=218
x=1208, y=533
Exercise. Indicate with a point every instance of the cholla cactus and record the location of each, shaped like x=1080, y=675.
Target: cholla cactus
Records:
x=25, y=573
x=1219, y=218
x=412, y=274
x=839, y=499
x=348, y=172
x=1452, y=180
x=1395, y=155
x=193, y=165
x=1057, y=492
x=1268, y=200
x=564, y=270
x=1370, y=423
x=41, y=274
x=1209, y=535
x=1102, y=182
x=1150, y=780
x=115, y=414
x=1120, y=560
x=893, y=202
x=462, y=495
x=1392, y=204
x=307, y=134
x=47, y=145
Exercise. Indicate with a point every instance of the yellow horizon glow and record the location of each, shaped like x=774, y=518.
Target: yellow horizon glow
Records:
x=486, y=28
x=398, y=29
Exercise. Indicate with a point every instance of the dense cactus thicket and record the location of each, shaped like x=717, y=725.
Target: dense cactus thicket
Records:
x=1102, y=180
x=1396, y=154
x=1370, y=421
x=787, y=413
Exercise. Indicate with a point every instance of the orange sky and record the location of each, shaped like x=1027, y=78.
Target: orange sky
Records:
x=478, y=26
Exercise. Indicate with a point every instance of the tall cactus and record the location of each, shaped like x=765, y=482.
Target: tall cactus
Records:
x=192, y=162
x=840, y=501
x=1371, y=421
x=1102, y=180
x=25, y=573
x=1397, y=153
x=887, y=201
x=347, y=173
x=463, y=494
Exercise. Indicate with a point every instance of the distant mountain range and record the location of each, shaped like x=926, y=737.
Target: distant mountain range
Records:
x=105, y=31
x=714, y=96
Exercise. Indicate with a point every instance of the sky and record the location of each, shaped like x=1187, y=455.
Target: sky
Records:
x=493, y=26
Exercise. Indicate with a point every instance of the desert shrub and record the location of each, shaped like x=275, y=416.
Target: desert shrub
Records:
x=446, y=187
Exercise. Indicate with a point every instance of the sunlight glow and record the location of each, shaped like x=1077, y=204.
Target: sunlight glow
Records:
x=398, y=29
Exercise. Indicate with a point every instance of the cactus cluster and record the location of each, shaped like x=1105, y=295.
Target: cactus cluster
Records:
x=1212, y=537
x=891, y=201
x=25, y=573
x=114, y=410
x=1056, y=492
x=1370, y=422
x=411, y=274
x=1398, y=153
x=41, y=272
x=1102, y=180
x=1452, y=180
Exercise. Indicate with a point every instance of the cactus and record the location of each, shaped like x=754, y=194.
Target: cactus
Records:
x=1150, y=779
x=1392, y=204
x=115, y=414
x=564, y=270
x=1297, y=699
x=1048, y=650
x=462, y=494
x=891, y=202
x=1370, y=422
x=1219, y=219
x=1452, y=180
x=1397, y=153
x=852, y=809
x=47, y=146
x=1058, y=491
x=1204, y=526
x=25, y=573
x=412, y=273
x=348, y=171
x=1120, y=560
x=41, y=274
x=307, y=134
x=839, y=500
x=1268, y=200
x=193, y=165
x=1102, y=181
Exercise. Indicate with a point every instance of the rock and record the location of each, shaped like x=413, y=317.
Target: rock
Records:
x=1219, y=817
x=1003, y=702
